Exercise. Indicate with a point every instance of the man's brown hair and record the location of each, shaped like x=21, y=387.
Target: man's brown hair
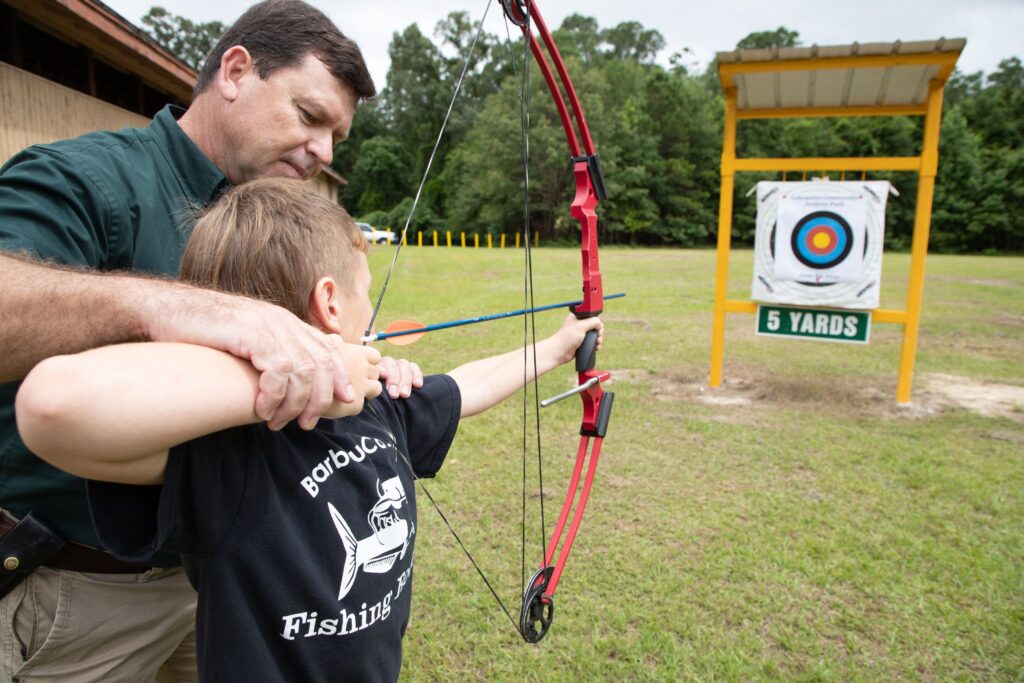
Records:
x=280, y=33
x=272, y=239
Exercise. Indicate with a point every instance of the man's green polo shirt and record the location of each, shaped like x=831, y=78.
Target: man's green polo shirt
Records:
x=120, y=200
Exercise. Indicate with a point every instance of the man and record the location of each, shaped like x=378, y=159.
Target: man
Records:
x=275, y=95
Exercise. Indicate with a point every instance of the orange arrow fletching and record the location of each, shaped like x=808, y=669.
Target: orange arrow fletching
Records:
x=403, y=326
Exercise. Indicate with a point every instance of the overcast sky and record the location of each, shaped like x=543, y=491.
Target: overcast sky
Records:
x=993, y=28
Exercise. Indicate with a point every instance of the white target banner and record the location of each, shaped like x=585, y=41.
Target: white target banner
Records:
x=819, y=243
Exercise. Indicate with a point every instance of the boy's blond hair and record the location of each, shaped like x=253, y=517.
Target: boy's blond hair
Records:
x=272, y=239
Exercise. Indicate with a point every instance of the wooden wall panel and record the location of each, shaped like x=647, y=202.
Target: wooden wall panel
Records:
x=34, y=110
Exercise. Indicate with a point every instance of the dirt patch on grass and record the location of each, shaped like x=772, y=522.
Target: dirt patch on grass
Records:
x=986, y=398
x=933, y=394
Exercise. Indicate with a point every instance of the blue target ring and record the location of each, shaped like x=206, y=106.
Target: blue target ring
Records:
x=822, y=240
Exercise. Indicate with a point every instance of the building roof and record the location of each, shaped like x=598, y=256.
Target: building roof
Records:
x=861, y=76
x=107, y=34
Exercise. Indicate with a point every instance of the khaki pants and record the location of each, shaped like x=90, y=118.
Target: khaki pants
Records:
x=75, y=627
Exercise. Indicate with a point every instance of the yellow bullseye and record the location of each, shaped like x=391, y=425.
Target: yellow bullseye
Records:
x=821, y=240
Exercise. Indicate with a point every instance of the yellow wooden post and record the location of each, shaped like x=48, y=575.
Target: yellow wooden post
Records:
x=435, y=239
x=404, y=239
x=502, y=240
x=476, y=240
x=489, y=241
x=724, y=237
x=419, y=238
x=462, y=237
x=919, y=246
x=448, y=238
x=517, y=240
x=536, y=239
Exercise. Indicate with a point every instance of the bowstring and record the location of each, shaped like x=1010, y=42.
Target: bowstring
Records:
x=430, y=161
x=524, y=125
x=440, y=513
x=529, y=323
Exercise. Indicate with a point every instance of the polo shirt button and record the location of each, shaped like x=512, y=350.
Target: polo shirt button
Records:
x=11, y=563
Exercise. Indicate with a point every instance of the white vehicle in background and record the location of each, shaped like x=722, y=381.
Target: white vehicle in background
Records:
x=375, y=236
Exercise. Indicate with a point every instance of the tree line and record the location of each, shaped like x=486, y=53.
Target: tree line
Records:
x=658, y=130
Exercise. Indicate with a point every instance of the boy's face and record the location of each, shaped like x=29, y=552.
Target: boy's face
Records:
x=356, y=309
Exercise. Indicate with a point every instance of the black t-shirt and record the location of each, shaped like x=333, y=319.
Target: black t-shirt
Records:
x=299, y=543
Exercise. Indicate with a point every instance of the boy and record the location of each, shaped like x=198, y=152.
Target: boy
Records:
x=299, y=543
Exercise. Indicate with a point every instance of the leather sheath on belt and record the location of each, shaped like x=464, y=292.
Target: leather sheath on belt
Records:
x=27, y=544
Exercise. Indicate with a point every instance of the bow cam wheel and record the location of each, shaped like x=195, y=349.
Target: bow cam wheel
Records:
x=538, y=609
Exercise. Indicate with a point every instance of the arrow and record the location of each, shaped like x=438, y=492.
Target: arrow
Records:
x=402, y=332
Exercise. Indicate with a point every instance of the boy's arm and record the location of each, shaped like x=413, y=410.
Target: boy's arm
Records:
x=113, y=413
x=485, y=383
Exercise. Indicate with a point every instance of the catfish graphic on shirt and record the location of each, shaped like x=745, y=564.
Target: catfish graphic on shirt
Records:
x=378, y=552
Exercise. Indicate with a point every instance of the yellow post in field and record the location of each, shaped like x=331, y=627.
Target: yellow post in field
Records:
x=419, y=238
x=476, y=240
x=435, y=239
x=724, y=237
x=502, y=240
x=919, y=248
x=448, y=238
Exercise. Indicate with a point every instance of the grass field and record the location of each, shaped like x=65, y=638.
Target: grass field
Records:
x=794, y=525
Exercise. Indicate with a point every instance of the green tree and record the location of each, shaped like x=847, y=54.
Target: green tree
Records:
x=380, y=177
x=631, y=41
x=780, y=37
x=189, y=40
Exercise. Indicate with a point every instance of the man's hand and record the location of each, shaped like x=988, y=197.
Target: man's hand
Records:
x=400, y=376
x=301, y=369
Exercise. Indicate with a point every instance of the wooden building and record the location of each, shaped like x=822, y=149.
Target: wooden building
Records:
x=69, y=67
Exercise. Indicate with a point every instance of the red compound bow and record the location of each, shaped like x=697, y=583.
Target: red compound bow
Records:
x=538, y=597
x=538, y=600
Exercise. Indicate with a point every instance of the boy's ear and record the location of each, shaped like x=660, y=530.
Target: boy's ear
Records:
x=325, y=306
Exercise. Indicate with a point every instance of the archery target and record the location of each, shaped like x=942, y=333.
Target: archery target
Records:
x=819, y=243
x=822, y=240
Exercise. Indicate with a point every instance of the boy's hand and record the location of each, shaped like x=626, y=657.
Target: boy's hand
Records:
x=571, y=335
x=362, y=363
x=400, y=375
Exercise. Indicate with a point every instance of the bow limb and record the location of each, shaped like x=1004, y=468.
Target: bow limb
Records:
x=538, y=600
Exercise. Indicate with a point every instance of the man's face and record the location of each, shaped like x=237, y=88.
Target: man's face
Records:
x=356, y=309
x=287, y=124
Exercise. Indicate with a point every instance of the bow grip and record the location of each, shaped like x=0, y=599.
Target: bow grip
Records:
x=586, y=354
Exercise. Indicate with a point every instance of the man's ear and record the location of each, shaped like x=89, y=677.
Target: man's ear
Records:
x=235, y=64
x=325, y=305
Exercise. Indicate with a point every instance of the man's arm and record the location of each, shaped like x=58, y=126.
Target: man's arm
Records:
x=485, y=383
x=112, y=413
x=51, y=310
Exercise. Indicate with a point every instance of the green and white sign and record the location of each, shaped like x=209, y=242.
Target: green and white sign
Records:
x=853, y=327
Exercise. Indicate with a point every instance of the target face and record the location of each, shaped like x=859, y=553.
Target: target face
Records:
x=819, y=244
x=822, y=240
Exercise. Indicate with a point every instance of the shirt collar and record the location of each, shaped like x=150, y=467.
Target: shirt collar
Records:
x=198, y=176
